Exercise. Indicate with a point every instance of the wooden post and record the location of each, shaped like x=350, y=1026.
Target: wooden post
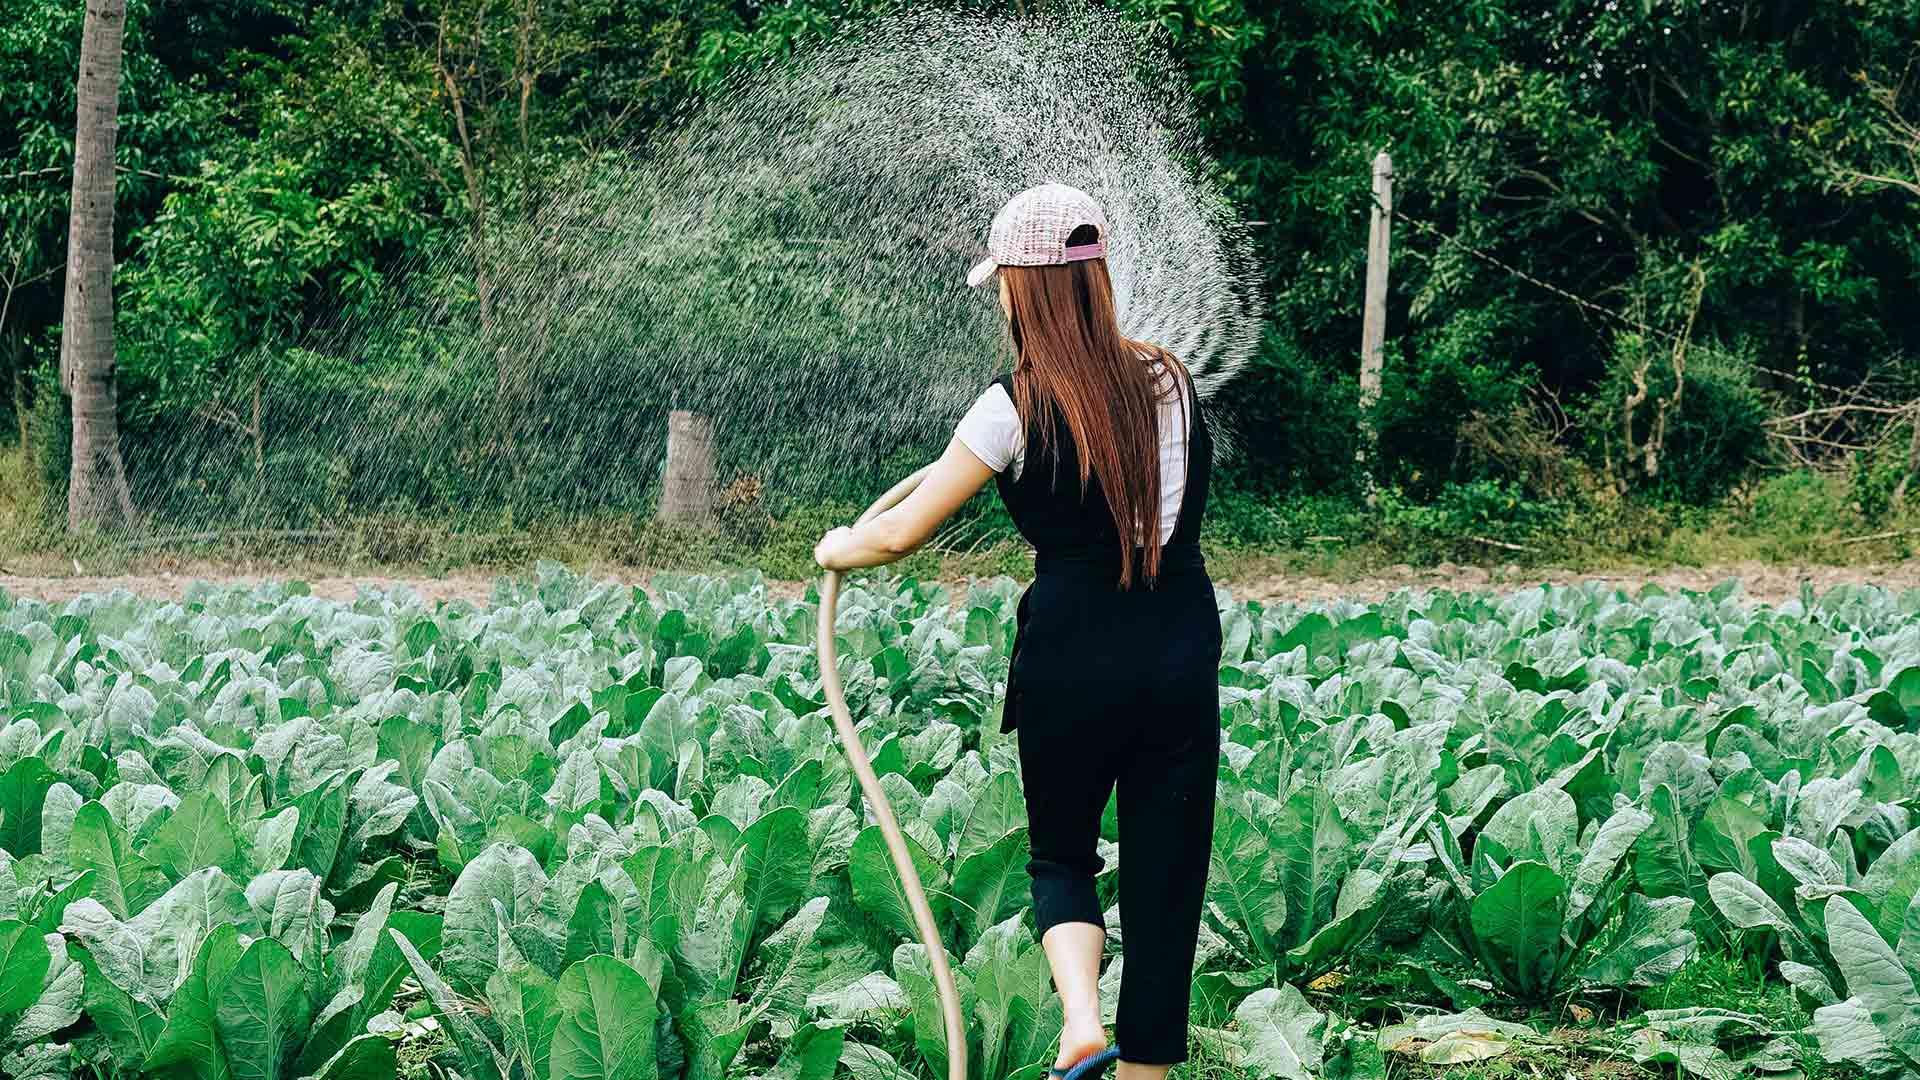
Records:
x=686, y=492
x=1373, y=323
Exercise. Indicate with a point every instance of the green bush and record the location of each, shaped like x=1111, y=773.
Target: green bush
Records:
x=1289, y=423
x=1489, y=509
x=1800, y=503
x=1709, y=443
x=1875, y=475
x=1434, y=381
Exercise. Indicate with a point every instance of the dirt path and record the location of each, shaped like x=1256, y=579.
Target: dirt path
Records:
x=1768, y=583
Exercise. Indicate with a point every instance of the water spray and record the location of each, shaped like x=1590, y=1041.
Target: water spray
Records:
x=784, y=255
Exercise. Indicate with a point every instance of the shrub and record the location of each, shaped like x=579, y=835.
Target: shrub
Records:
x=1704, y=445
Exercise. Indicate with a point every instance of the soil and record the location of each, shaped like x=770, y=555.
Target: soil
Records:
x=1761, y=582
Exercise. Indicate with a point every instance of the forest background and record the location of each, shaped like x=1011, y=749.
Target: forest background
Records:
x=1652, y=289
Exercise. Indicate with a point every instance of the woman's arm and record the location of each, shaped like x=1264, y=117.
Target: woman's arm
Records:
x=899, y=532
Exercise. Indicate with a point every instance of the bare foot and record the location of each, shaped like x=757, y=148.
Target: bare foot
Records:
x=1080, y=1038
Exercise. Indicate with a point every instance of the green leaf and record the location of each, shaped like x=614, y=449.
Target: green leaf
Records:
x=23, y=794
x=261, y=1011
x=606, y=1024
x=1602, y=858
x=593, y=925
x=1244, y=884
x=1647, y=945
x=865, y=1062
x=525, y=1004
x=914, y=971
x=320, y=827
x=1720, y=839
x=365, y=1057
x=778, y=864
x=1280, y=1035
x=1876, y=979
x=24, y=960
x=1663, y=860
x=993, y=884
x=1748, y=906
x=999, y=809
x=481, y=1060
x=189, y=1040
x=784, y=965
x=470, y=945
x=877, y=889
x=1541, y=825
x=195, y=836
x=145, y=955
x=1516, y=923
x=1847, y=1034
x=1312, y=851
x=812, y=1053
x=123, y=881
x=1905, y=688
x=652, y=870
x=1362, y=901
x=1011, y=988
x=132, y=1027
x=1893, y=881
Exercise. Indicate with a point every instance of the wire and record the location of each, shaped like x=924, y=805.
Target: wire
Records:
x=1487, y=257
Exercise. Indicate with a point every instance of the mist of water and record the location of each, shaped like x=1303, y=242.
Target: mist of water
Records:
x=788, y=258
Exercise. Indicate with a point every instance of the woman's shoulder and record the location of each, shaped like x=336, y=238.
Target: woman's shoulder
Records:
x=991, y=428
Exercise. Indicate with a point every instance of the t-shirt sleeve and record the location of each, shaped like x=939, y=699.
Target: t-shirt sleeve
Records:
x=991, y=429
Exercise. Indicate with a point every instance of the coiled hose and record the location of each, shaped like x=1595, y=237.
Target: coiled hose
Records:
x=877, y=799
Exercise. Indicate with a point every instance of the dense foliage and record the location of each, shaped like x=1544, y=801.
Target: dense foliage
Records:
x=1725, y=173
x=595, y=831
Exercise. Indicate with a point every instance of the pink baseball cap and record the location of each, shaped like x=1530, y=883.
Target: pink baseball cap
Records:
x=1032, y=230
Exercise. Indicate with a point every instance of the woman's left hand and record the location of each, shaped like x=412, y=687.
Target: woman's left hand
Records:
x=832, y=550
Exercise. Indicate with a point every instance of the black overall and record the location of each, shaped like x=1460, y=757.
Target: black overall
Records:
x=1118, y=689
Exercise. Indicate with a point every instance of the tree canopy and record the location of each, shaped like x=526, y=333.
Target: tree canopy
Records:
x=1633, y=235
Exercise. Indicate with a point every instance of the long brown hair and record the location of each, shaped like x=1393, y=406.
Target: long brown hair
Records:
x=1071, y=357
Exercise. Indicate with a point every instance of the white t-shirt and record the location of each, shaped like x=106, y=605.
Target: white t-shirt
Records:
x=993, y=431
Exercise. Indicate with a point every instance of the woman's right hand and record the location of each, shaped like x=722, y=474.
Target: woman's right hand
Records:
x=833, y=550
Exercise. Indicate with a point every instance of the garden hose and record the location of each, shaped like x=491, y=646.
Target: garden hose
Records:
x=877, y=799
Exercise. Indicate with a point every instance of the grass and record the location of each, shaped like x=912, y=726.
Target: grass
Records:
x=1799, y=518
x=1574, y=1041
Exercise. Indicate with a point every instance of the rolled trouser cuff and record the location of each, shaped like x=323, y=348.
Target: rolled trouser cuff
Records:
x=1062, y=894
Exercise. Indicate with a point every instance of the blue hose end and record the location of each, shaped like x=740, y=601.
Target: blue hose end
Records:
x=1090, y=1066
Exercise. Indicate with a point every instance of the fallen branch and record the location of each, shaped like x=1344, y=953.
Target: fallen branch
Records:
x=1491, y=542
x=1878, y=536
x=216, y=536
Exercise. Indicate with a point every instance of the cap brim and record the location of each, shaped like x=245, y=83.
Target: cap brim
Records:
x=981, y=271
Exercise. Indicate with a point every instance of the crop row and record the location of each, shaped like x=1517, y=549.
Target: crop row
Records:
x=594, y=831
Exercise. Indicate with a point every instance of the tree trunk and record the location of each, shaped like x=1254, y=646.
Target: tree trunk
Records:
x=686, y=492
x=97, y=492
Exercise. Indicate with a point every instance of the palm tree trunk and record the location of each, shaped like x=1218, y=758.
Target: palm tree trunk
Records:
x=97, y=492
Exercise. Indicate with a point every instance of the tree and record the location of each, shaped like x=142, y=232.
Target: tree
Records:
x=1893, y=132
x=98, y=488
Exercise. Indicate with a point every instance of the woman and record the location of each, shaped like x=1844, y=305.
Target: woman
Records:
x=1114, y=676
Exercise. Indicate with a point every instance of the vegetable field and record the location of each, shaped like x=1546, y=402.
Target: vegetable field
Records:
x=590, y=831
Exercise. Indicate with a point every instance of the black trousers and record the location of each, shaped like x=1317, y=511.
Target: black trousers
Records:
x=1118, y=694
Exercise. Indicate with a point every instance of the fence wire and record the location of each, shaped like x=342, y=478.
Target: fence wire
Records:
x=1859, y=418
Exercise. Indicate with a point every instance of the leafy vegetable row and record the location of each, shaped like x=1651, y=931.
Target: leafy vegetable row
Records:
x=595, y=831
